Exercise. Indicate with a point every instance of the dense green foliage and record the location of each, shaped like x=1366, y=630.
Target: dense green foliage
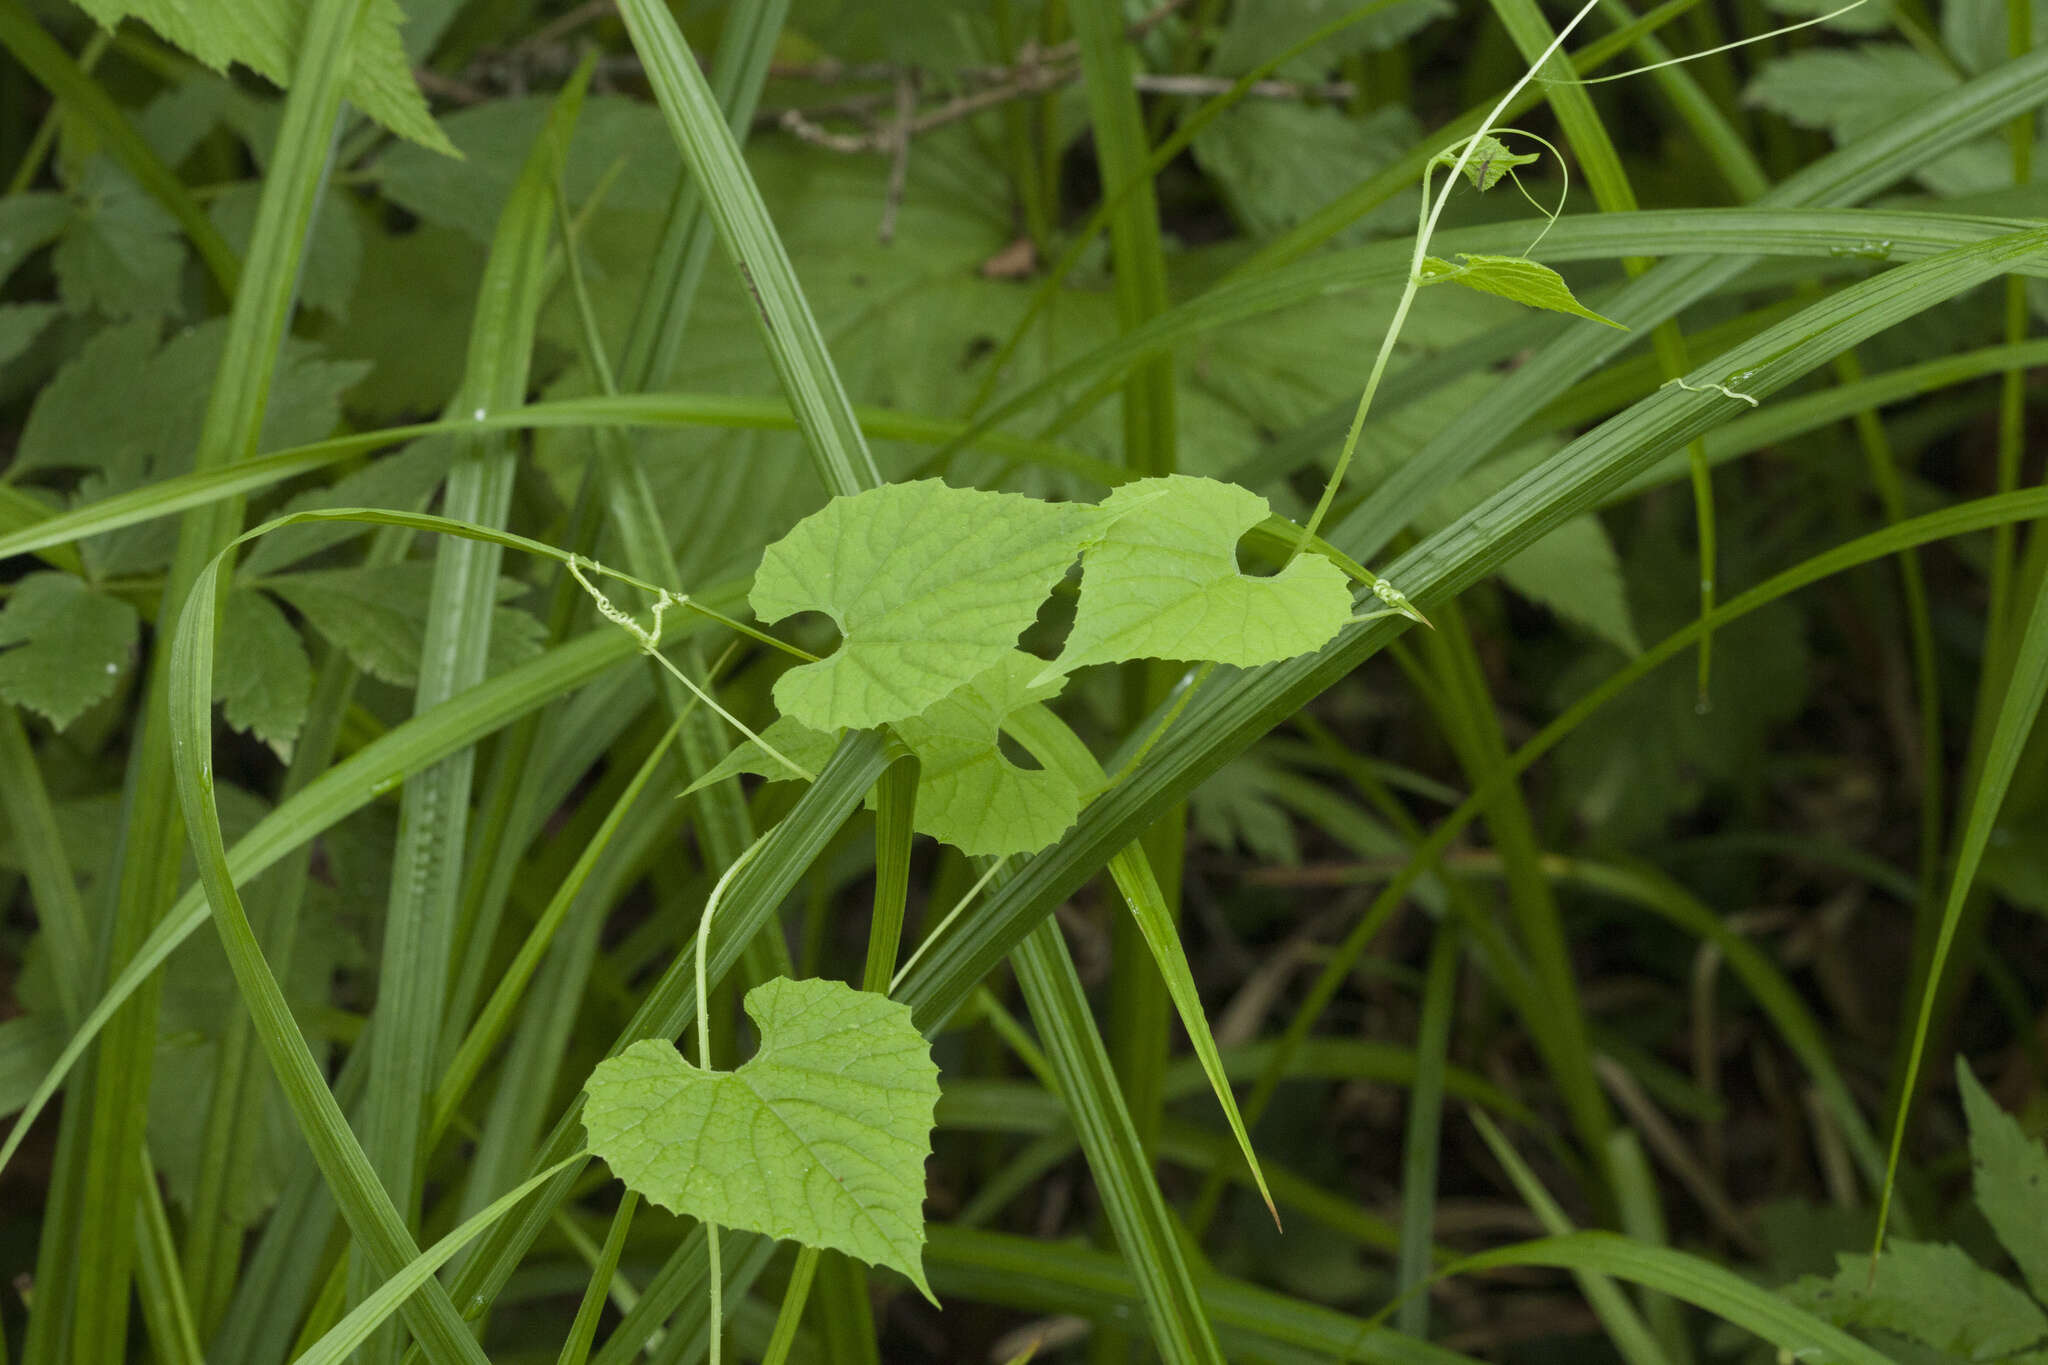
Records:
x=888, y=675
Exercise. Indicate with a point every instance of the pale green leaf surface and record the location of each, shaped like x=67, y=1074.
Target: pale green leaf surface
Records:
x=1575, y=572
x=77, y=422
x=1933, y=1294
x=934, y=34
x=179, y=119
x=969, y=793
x=2010, y=1172
x=819, y=1138
x=415, y=324
x=21, y=324
x=334, y=251
x=263, y=35
x=930, y=586
x=27, y=221
x=1260, y=30
x=28, y=1044
x=1511, y=277
x=128, y=407
x=1163, y=582
x=378, y=615
x=1847, y=91
x=1864, y=19
x=799, y=743
x=62, y=645
x=120, y=254
x=403, y=479
x=1272, y=159
x=1490, y=160
x=263, y=678
x=1975, y=31
x=619, y=143
x=129, y=412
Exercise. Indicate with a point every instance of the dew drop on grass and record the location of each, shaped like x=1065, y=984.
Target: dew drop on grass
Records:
x=1874, y=249
x=479, y=414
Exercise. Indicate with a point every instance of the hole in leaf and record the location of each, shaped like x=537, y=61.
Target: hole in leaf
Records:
x=1016, y=754
x=1255, y=558
x=814, y=630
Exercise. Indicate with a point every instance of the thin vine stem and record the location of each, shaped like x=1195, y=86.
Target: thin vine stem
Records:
x=1432, y=211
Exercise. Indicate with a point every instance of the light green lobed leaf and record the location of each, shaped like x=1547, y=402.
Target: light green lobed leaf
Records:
x=62, y=646
x=1162, y=582
x=377, y=614
x=820, y=1137
x=1511, y=277
x=1932, y=1294
x=120, y=254
x=263, y=678
x=930, y=586
x=2010, y=1176
x=969, y=793
x=27, y=221
x=21, y=324
x=263, y=35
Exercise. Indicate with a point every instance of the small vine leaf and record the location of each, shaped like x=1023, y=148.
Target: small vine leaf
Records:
x=1490, y=160
x=1162, y=582
x=820, y=1137
x=807, y=748
x=929, y=585
x=1511, y=277
x=969, y=794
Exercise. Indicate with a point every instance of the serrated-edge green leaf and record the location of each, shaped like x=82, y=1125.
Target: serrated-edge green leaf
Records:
x=1490, y=160
x=63, y=646
x=2009, y=1171
x=1932, y=1293
x=1515, y=278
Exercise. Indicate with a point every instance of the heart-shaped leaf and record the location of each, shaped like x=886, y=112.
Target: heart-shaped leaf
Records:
x=1162, y=582
x=929, y=585
x=969, y=794
x=821, y=1137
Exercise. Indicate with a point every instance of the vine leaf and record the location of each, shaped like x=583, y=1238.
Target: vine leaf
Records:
x=1162, y=582
x=1511, y=277
x=799, y=743
x=929, y=585
x=969, y=793
x=820, y=1137
x=1490, y=160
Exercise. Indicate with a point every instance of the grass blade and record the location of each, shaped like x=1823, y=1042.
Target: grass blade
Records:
x=794, y=342
x=84, y=1269
x=1145, y=1232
